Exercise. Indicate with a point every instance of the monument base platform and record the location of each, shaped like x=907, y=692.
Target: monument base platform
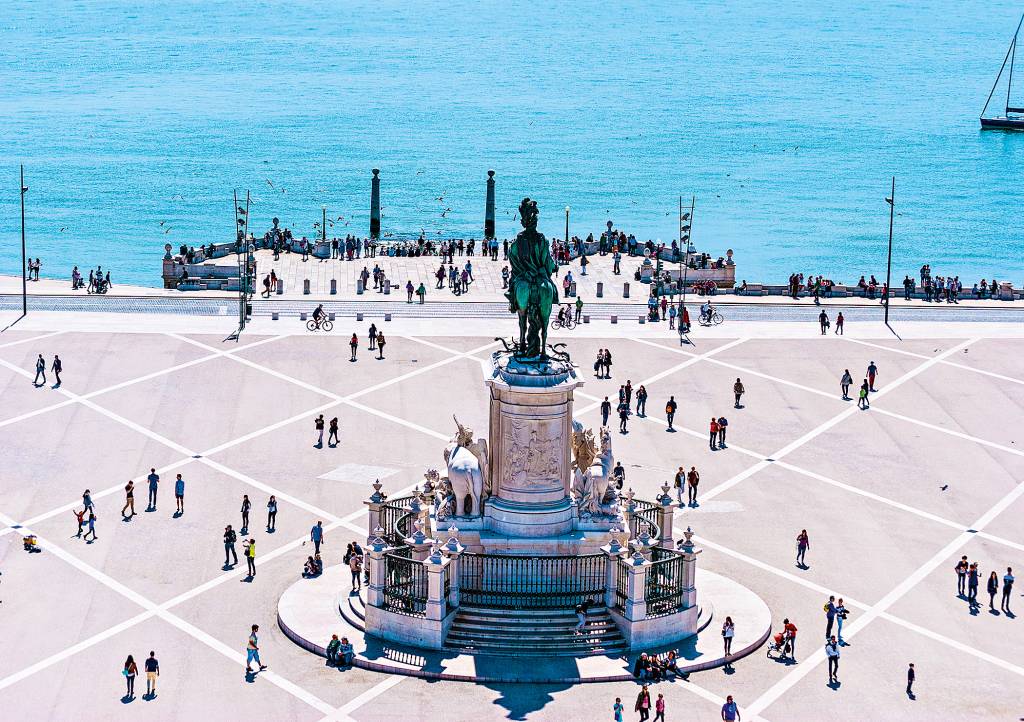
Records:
x=309, y=612
x=510, y=518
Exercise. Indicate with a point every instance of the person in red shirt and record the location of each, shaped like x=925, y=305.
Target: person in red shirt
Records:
x=789, y=629
x=714, y=432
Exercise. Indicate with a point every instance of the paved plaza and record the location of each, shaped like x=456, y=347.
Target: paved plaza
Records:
x=891, y=498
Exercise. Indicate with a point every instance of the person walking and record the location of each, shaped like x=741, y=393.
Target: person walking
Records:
x=333, y=433
x=92, y=527
x=728, y=632
x=80, y=517
x=252, y=651
x=839, y=324
x=40, y=371
x=629, y=392
x=130, y=672
x=581, y=616
x=229, y=547
x=617, y=710
x=911, y=676
x=670, y=411
x=841, y=614
x=57, y=367
x=973, y=577
x=152, y=667
x=830, y=616
x=249, y=550
x=679, y=482
x=823, y=321
x=129, y=499
x=643, y=704
x=623, y=417
x=992, y=587
x=355, y=566
x=803, y=543
x=316, y=535
x=641, y=401
x=246, y=506
x=179, y=495
x=723, y=424
x=606, y=409
x=272, y=514
x=372, y=334
x=579, y=307
x=737, y=392
x=714, y=434
x=353, y=346
x=961, y=576
x=87, y=500
x=380, y=345
x=730, y=712
x=1007, y=589
x=692, y=480
x=789, y=631
x=862, y=398
x=659, y=708
x=845, y=383
x=872, y=373
x=154, y=483
x=318, y=426
x=832, y=652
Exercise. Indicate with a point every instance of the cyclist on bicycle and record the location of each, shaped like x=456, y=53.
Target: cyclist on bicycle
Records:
x=705, y=312
x=561, y=315
x=318, y=315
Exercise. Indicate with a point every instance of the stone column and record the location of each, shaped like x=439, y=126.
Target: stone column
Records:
x=690, y=552
x=665, y=514
x=628, y=510
x=375, y=204
x=375, y=570
x=454, y=551
x=489, y=209
x=613, y=550
x=437, y=604
x=636, y=602
x=373, y=505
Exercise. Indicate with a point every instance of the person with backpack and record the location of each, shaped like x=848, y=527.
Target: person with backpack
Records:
x=230, y=537
x=670, y=411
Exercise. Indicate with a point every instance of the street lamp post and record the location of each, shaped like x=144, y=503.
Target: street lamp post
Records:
x=323, y=228
x=24, y=261
x=567, y=227
x=891, y=200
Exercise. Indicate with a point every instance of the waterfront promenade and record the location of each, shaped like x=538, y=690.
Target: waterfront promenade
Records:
x=891, y=498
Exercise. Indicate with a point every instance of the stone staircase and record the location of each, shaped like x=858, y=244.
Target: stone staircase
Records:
x=353, y=610
x=533, y=633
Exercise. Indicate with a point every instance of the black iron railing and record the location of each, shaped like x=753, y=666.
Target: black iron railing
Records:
x=645, y=518
x=663, y=590
x=621, y=584
x=395, y=519
x=527, y=582
x=446, y=582
x=405, y=586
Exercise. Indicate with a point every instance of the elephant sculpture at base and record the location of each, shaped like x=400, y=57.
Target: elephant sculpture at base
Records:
x=467, y=471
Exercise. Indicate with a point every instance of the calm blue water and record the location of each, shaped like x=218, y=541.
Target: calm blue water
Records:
x=785, y=119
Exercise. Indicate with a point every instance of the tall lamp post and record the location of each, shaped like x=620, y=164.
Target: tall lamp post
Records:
x=567, y=227
x=24, y=262
x=891, y=200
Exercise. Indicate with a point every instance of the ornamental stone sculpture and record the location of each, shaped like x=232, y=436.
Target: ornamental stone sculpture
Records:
x=531, y=292
x=467, y=471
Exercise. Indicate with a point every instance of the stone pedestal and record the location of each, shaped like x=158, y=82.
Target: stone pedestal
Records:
x=528, y=446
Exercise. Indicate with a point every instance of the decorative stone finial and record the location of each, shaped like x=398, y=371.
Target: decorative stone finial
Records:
x=452, y=545
x=435, y=554
x=378, y=544
x=688, y=534
x=638, y=559
x=418, y=537
x=665, y=498
x=376, y=497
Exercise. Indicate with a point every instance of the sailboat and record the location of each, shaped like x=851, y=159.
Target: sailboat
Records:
x=1013, y=116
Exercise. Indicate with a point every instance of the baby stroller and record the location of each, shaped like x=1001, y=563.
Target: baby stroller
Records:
x=31, y=543
x=780, y=646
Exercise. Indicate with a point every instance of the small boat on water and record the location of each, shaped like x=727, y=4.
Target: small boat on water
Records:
x=1013, y=116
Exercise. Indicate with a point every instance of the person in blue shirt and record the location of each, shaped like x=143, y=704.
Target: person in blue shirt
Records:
x=179, y=494
x=316, y=535
x=730, y=712
x=154, y=482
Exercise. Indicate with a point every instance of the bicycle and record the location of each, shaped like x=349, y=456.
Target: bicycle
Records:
x=324, y=325
x=569, y=323
x=715, y=319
